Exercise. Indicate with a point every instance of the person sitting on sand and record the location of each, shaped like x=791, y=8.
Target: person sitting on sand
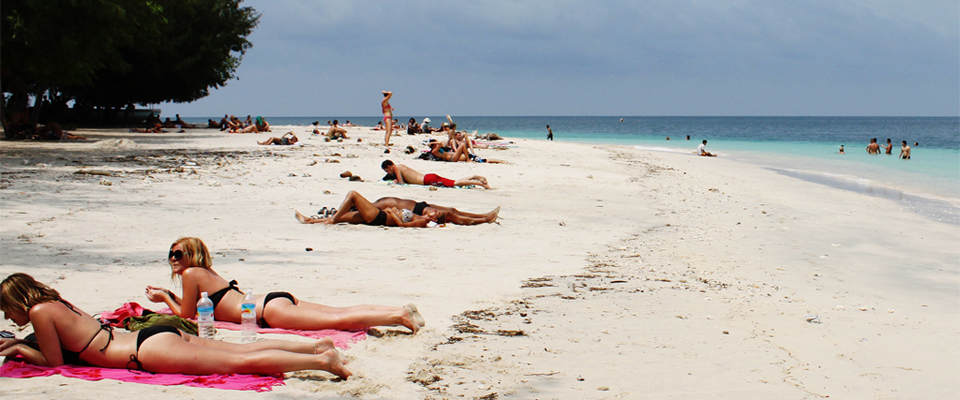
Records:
x=182, y=123
x=225, y=123
x=357, y=210
x=261, y=124
x=212, y=124
x=66, y=334
x=191, y=263
x=904, y=151
x=701, y=150
x=336, y=131
x=413, y=127
x=403, y=174
x=425, y=126
x=287, y=139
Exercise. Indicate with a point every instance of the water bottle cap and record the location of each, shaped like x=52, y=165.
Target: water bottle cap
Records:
x=203, y=294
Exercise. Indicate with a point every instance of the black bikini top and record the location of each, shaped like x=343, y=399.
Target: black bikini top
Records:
x=418, y=208
x=218, y=295
x=73, y=357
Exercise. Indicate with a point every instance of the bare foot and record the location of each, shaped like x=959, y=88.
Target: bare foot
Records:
x=334, y=364
x=406, y=319
x=302, y=218
x=322, y=345
x=412, y=309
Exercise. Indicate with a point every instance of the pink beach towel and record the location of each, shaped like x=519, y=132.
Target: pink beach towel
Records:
x=16, y=368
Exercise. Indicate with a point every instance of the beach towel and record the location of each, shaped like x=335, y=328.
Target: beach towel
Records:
x=16, y=368
x=341, y=339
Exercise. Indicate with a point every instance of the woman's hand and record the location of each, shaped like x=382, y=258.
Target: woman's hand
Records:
x=157, y=295
x=9, y=347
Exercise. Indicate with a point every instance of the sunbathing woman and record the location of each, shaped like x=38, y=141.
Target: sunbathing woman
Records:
x=65, y=333
x=190, y=261
x=447, y=214
x=356, y=209
x=287, y=139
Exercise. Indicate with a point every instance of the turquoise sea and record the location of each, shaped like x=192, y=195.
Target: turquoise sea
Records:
x=802, y=147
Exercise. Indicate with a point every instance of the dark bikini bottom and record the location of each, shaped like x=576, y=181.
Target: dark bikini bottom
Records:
x=146, y=333
x=269, y=297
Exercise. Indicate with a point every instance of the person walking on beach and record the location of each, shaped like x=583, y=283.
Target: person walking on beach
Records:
x=873, y=147
x=549, y=133
x=888, y=147
x=387, y=116
x=701, y=150
x=905, y=151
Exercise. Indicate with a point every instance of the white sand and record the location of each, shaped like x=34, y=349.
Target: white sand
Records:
x=627, y=274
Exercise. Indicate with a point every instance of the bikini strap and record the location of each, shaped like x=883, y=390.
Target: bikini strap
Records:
x=103, y=327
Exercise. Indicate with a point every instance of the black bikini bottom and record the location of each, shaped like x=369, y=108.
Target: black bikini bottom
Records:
x=146, y=333
x=271, y=296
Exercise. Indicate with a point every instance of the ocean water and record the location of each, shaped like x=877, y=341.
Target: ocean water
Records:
x=800, y=147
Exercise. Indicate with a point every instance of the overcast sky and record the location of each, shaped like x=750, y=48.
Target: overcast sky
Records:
x=651, y=57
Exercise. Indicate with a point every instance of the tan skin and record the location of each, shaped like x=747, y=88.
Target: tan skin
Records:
x=367, y=212
x=409, y=175
x=387, y=116
x=56, y=327
x=279, y=313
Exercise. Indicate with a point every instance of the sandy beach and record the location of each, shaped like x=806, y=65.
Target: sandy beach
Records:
x=611, y=273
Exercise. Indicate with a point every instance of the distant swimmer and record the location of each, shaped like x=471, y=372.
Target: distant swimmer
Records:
x=549, y=133
x=688, y=137
x=621, y=119
x=668, y=137
x=703, y=152
x=888, y=147
x=841, y=150
x=905, y=151
x=873, y=147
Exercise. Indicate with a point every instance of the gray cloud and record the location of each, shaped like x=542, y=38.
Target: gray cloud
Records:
x=596, y=57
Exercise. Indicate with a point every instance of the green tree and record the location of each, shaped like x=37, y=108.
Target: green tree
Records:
x=112, y=53
x=199, y=47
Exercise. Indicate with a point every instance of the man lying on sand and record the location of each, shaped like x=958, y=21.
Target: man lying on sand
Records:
x=287, y=139
x=429, y=211
x=404, y=174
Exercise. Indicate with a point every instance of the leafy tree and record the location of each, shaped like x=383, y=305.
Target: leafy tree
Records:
x=112, y=53
x=199, y=46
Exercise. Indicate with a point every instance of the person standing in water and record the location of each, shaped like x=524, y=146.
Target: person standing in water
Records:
x=387, y=116
x=905, y=151
x=549, y=133
x=841, y=150
x=888, y=147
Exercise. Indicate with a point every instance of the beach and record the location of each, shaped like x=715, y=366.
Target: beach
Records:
x=612, y=272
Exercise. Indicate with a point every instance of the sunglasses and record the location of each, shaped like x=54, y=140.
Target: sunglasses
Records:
x=176, y=255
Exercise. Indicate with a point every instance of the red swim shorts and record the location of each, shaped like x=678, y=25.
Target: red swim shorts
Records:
x=437, y=180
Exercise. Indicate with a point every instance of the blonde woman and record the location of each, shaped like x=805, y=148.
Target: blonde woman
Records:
x=67, y=334
x=190, y=262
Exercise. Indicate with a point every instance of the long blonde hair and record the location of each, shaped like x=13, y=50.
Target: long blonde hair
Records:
x=194, y=251
x=20, y=292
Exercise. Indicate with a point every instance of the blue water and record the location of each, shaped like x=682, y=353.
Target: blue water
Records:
x=802, y=147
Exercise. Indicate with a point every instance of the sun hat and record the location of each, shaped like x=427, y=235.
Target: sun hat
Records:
x=427, y=120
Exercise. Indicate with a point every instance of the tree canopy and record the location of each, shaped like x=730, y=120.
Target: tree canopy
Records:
x=113, y=53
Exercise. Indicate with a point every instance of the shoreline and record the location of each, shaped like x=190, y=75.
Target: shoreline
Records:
x=629, y=273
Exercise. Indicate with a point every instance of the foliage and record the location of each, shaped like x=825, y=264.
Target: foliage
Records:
x=112, y=53
x=199, y=46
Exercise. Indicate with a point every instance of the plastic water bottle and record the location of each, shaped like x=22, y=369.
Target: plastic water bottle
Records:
x=248, y=319
x=205, y=317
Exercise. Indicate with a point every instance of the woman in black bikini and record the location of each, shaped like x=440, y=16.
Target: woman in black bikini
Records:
x=190, y=260
x=429, y=211
x=60, y=327
x=356, y=209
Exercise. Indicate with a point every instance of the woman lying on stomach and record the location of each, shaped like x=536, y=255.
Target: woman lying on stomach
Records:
x=190, y=261
x=65, y=332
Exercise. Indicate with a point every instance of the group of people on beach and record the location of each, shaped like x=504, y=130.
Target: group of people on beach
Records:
x=63, y=333
x=232, y=124
x=875, y=148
